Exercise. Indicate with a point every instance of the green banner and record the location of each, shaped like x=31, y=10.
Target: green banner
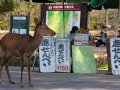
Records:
x=72, y=1
x=77, y=1
x=83, y=59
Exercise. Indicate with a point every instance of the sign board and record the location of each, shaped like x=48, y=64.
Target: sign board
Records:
x=63, y=55
x=83, y=59
x=47, y=54
x=19, y=24
x=115, y=55
x=72, y=16
x=81, y=39
x=67, y=7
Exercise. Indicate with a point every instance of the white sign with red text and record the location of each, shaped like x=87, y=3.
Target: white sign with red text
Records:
x=81, y=39
x=62, y=55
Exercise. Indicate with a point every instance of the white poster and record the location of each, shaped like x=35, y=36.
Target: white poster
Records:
x=23, y=31
x=15, y=30
x=19, y=31
x=47, y=54
x=115, y=55
x=62, y=55
x=81, y=39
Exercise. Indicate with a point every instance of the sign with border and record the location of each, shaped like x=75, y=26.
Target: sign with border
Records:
x=47, y=54
x=81, y=39
x=72, y=16
x=19, y=24
x=67, y=7
x=115, y=55
x=62, y=55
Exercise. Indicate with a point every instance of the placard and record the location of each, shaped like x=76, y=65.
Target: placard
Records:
x=81, y=39
x=115, y=55
x=83, y=59
x=47, y=54
x=19, y=24
x=63, y=55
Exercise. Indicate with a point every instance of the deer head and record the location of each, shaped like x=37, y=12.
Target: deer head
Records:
x=43, y=29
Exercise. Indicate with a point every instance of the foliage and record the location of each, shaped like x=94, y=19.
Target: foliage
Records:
x=14, y=7
x=103, y=66
x=8, y=5
x=100, y=16
x=93, y=23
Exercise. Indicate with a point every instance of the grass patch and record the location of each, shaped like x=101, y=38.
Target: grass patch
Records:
x=103, y=66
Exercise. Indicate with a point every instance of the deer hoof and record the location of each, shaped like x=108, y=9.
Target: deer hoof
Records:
x=12, y=82
x=21, y=86
x=30, y=85
x=0, y=81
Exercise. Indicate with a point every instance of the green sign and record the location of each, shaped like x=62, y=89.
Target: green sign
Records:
x=19, y=24
x=72, y=1
x=62, y=24
x=83, y=59
x=77, y=1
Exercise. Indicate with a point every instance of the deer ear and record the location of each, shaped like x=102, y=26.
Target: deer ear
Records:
x=36, y=20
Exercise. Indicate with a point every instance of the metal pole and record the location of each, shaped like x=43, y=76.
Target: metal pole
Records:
x=63, y=20
x=117, y=19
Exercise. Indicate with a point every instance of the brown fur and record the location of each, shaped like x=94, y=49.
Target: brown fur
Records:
x=22, y=46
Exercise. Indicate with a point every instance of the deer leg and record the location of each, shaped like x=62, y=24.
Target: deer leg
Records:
x=2, y=64
x=7, y=70
x=22, y=68
x=1, y=73
x=29, y=75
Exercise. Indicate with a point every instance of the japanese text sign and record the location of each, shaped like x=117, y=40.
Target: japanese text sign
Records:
x=115, y=55
x=63, y=55
x=67, y=7
x=81, y=39
x=47, y=54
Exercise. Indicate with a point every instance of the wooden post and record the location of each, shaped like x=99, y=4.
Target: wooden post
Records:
x=43, y=13
x=108, y=57
x=84, y=16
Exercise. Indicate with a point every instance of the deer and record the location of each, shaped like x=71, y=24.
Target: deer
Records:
x=22, y=47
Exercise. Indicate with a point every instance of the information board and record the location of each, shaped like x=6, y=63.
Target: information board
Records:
x=72, y=15
x=19, y=24
x=63, y=55
x=115, y=55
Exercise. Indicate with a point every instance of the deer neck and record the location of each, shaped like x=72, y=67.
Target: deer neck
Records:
x=36, y=41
